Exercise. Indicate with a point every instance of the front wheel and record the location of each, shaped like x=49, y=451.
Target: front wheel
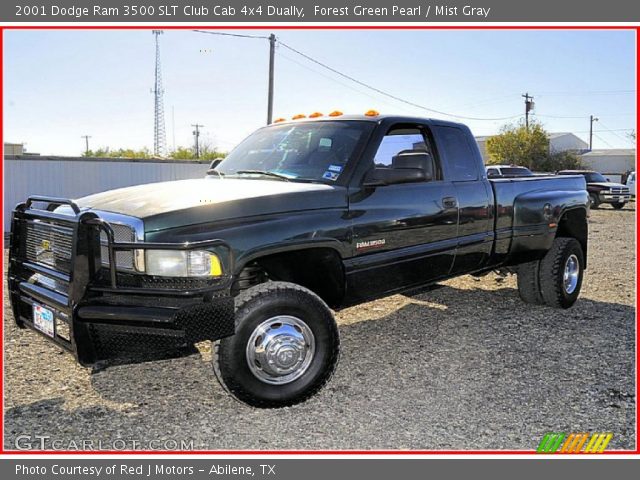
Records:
x=617, y=205
x=561, y=272
x=285, y=349
x=594, y=201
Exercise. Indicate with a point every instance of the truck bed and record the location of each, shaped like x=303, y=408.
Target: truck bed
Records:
x=526, y=208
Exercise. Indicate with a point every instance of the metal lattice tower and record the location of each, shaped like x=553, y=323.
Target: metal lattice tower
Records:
x=159, y=132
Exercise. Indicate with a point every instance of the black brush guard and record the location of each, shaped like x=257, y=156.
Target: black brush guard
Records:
x=100, y=314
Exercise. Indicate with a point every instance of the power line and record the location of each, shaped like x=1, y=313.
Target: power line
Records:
x=578, y=93
x=386, y=94
x=272, y=49
x=225, y=34
x=613, y=132
x=335, y=80
x=603, y=140
x=582, y=117
x=605, y=131
x=405, y=101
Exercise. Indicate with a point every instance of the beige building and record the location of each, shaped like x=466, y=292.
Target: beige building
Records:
x=13, y=148
x=612, y=162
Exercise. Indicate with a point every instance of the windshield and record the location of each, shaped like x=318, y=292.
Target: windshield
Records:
x=309, y=151
x=590, y=177
x=595, y=177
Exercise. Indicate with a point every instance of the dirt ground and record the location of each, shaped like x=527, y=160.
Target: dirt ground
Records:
x=464, y=366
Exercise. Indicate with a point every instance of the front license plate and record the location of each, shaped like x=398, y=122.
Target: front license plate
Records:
x=43, y=319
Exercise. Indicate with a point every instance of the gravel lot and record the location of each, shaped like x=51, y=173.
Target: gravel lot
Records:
x=464, y=366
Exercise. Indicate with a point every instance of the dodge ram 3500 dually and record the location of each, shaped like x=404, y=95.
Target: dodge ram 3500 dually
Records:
x=302, y=216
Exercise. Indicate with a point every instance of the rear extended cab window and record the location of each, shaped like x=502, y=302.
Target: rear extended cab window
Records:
x=461, y=160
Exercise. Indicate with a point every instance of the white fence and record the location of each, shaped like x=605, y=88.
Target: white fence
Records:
x=76, y=177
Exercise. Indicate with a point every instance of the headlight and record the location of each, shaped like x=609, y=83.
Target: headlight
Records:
x=182, y=263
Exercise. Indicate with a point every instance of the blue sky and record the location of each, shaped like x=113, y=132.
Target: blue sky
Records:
x=60, y=85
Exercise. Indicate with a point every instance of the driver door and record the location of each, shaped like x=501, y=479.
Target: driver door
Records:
x=404, y=234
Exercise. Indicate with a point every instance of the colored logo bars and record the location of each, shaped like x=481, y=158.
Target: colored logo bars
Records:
x=574, y=443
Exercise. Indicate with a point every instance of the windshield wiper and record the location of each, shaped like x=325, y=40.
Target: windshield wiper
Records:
x=264, y=172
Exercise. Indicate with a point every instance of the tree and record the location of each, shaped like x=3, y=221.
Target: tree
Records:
x=207, y=152
x=518, y=145
x=529, y=148
x=106, y=152
x=559, y=161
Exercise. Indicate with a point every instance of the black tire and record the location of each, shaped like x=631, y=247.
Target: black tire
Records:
x=529, y=283
x=618, y=205
x=552, y=269
x=257, y=305
x=594, y=200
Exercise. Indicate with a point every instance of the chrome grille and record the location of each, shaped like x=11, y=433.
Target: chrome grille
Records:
x=49, y=244
x=620, y=190
x=122, y=233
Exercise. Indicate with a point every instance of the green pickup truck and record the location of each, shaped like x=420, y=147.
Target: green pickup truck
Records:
x=303, y=216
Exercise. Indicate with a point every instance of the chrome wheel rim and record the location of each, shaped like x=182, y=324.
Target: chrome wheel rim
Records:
x=571, y=274
x=280, y=350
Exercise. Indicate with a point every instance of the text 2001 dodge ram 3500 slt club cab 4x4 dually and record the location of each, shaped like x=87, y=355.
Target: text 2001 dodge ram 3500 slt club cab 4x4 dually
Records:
x=301, y=216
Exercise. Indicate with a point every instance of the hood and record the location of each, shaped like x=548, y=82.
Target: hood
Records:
x=188, y=202
x=608, y=185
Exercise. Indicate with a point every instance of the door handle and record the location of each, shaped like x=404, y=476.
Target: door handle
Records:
x=449, y=202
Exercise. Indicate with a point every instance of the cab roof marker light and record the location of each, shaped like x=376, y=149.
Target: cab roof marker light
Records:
x=335, y=113
x=315, y=115
x=278, y=120
x=298, y=116
x=372, y=113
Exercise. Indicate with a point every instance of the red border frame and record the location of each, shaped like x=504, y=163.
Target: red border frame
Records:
x=296, y=27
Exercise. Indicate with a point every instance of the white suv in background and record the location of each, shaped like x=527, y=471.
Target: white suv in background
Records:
x=631, y=183
x=494, y=171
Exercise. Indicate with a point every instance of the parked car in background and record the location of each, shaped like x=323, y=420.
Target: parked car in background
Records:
x=497, y=171
x=631, y=183
x=601, y=189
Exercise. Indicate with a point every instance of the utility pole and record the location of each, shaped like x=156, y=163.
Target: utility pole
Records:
x=86, y=143
x=196, y=135
x=272, y=56
x=591, y=120
x=528, y=106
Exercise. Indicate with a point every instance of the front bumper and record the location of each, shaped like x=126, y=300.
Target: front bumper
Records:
x=615, y=197
x=95, y=317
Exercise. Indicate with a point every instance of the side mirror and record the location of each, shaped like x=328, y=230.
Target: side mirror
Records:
x=391, y=176
x=407, y=166
x=213, y=165
x=608, y=180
